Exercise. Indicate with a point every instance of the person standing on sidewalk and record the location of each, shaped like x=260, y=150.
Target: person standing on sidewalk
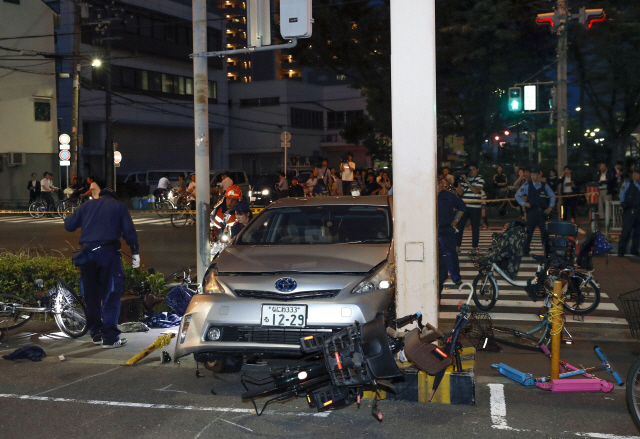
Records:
x=347, y=168
x=103, y=222
x=34, y=188
x=568, y=187
x=450, y=210
x=630, y=200
x=471, y=195
x=540, y=200
x=607, y=185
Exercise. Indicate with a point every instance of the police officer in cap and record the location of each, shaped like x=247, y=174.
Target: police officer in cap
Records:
x=450, y=209
x=539, y=203
x=630, y=201
x=103, y=222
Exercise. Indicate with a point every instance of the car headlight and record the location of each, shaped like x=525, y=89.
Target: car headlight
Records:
x=211, y=284
x=265, y=192
x=382, y=277
x=186, y=321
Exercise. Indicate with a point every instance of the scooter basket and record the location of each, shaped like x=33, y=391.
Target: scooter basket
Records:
x=313, y=343
x=344, y=358
x=332, y=397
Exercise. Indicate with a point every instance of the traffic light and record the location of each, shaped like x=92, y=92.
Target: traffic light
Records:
x=515, y=99
x=587, y=17
x=550, y=18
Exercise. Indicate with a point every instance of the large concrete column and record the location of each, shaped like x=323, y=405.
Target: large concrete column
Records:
x=413, y=104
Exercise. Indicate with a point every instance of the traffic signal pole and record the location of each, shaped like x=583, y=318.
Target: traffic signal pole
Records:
x=201, y=131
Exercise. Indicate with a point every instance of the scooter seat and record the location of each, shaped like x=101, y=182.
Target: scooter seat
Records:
x=539, y=258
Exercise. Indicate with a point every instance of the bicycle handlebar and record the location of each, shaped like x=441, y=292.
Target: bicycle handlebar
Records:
x=406, y=319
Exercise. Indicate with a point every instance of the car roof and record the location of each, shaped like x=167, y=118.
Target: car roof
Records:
x=369, y=200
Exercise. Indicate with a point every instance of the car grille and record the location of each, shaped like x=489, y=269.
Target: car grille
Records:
x=257, y=334
x=270, y=295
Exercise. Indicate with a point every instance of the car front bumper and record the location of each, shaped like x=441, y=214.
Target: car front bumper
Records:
x=242, y=333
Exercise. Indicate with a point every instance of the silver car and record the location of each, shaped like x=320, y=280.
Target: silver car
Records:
x=302, y=266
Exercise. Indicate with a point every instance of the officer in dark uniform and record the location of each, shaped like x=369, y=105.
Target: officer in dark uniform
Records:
x=539, y=202
x=630, y=200
x=450, y=209
x=103, y=222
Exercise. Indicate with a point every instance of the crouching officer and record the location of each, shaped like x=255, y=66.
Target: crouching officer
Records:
x=539, y=203
x=450, y=209
x=103, y=222
x=630, y=200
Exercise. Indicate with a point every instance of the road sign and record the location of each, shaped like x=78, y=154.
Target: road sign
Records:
x=285, y=136
x=65, y=163
x=285, y=144
x=64, y=155
x=117, y=157
x=65, y=146
x=64, y=139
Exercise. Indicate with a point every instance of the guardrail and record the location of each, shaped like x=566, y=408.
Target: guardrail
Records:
x=612, y=216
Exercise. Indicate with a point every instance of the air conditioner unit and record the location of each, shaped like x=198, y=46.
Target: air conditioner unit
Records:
x=16, y=158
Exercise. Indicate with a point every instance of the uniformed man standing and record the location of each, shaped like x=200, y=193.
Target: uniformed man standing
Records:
x=539, y=203
x=103, y=222
x=450, y=209
x=630, y=201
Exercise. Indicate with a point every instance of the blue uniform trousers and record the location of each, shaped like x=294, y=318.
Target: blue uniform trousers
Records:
x=102, y=283
x=535, y=218
x=630, y=228
x=447, y=240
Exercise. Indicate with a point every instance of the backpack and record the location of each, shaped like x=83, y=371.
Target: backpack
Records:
x=33, y=353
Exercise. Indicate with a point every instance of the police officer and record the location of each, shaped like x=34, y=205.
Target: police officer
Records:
x=450, y=209
x=103, y=222
x=539, y=203
x=630, y=200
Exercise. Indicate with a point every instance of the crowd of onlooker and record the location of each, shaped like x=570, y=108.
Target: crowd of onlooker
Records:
x=324, y=181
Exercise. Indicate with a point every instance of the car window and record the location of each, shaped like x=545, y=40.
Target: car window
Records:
x=173, y=176
x=238, y=178
x=142, y=177
x=342, y=224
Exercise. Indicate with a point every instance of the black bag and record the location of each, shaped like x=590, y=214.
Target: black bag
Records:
x=81, y=256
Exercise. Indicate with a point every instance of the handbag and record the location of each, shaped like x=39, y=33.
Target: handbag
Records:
x=81, y=256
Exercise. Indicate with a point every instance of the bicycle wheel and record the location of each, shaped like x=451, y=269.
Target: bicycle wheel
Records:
x=164, y=205
x=180, y=219
x=633, y=392
x=582, y=298
x=61, y=207
x=69, y=311
x=10, y=319
x=37, y=209
x=485, y=291
x=515, y=338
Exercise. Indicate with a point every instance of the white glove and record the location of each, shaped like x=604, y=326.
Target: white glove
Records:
x=135, y=261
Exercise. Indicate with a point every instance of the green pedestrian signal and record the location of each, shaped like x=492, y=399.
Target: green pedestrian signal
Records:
x=515, y=99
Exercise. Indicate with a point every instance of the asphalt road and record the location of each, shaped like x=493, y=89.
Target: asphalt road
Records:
x=162, y=246
x=91, y=395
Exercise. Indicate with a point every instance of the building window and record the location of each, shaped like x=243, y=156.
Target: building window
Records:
x=354, y=114
x=180, y=85
x=260, y=102
x=155, y=81
x=146, y=26
x=42, y=111
x=158, y=29
x=306, y=119
x=213, y=90
x=131, y=23
x=167, y=83
x=188, y=86
x=335, y=120
x=128, y=78
x=143, y=80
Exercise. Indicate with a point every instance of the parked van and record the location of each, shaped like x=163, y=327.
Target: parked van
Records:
x=149, y=179
x=239, y=178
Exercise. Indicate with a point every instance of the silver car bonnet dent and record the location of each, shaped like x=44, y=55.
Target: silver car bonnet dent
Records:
x=315, y=258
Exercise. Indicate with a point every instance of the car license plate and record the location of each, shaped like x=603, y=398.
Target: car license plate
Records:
x=292, y=316
x=253, y=198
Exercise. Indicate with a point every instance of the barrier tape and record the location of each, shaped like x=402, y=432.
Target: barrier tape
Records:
x=138, y=212
x=499, y=200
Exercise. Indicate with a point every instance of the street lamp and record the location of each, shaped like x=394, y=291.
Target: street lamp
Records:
x=96, y=63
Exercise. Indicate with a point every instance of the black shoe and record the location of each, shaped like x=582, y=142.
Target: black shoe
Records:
x=457, y=283
x=97, y=339
x=117, y=344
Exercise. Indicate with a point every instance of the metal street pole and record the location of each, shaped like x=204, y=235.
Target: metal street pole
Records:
x=75, y=91
x=108, y=143
x=561, y=93
x=201, y=130
x=413, y=116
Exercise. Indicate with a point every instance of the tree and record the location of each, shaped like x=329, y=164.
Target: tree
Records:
x=606, y=60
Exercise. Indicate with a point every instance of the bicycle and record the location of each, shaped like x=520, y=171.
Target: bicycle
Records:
x=68, y=310
x=163, y=204
x=582, y=294
x=180, y=218
x=39, y=207
x=631, y=306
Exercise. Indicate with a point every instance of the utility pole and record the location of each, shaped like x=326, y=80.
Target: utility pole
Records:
x=108, y=142
x=75, y=91
x=561, y=96
x=201, y=130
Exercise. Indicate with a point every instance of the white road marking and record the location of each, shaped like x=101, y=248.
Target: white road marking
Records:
x=156, y=406
x=499, y=408
x=605, y=436
x=166, y=389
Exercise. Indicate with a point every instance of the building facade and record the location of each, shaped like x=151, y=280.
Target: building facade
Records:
x=28, y=114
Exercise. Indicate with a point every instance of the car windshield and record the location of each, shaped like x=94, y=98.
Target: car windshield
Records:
x=338, y=224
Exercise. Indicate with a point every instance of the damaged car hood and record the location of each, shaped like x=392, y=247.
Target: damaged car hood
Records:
x=336, y=258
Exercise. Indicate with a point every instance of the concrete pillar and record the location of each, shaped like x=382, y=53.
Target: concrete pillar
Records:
x=413, y=103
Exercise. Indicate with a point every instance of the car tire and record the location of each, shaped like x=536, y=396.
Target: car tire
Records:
x=225, y=364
